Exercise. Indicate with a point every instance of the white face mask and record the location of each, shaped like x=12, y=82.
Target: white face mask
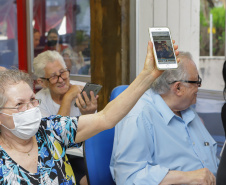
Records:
x=26, y=123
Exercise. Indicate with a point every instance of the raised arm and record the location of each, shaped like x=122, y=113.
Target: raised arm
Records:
x=90, y=125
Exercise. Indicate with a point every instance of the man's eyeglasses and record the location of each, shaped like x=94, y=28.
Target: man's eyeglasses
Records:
x=24, y=106
x=199, y=82
x=54, y=79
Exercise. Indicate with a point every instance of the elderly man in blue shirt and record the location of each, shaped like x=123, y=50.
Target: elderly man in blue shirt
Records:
x=162, y=140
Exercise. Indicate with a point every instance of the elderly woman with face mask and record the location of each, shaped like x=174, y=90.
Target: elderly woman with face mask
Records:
x=32, y=149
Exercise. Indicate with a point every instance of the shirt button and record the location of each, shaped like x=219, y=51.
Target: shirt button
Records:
x=193, y=143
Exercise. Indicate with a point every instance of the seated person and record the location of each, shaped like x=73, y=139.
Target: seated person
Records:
x=36, y=37
x=162, y=140
x=79, y=42
x=36, y=40
x=57, y=90
x=70, y=63
x=58, y=96
x=54, y=42
x=33, y=149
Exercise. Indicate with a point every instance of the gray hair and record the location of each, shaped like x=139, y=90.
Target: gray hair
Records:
x=43, y=59
x=12, y=77
x=162, y=84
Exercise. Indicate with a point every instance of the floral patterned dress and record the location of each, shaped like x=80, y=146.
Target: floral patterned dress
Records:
x=55, y=135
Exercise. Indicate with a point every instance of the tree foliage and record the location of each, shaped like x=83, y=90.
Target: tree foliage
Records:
x=218, y=13
x=218, y=17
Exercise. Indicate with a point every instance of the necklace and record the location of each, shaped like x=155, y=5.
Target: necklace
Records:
x=9, y=146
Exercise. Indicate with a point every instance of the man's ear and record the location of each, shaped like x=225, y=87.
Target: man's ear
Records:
x=41, y=82
x=177, y=88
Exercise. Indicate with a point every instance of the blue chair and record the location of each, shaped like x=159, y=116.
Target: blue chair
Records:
x=98, y=149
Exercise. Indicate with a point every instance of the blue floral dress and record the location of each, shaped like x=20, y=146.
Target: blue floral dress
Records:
x=55, y=135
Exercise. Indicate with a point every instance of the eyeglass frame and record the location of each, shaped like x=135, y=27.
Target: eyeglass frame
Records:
x=58, y=76
x=198, y=82
x=39, y=102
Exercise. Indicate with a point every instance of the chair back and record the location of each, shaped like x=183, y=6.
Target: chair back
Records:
x=98, y=149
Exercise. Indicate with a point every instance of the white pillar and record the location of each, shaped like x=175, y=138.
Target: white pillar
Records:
x=211, y=35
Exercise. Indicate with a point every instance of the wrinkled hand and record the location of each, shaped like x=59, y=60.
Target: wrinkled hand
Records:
x=86, y=105
x=73, y=91
x=202, y=177
x=150, y=64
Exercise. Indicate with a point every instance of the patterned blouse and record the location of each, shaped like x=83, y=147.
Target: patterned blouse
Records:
x=55, y=135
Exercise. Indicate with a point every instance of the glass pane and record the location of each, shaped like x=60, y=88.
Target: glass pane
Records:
x=212, y=50
x=212, y=28
x=8, y=34
x=212, y=44
x=64, y=25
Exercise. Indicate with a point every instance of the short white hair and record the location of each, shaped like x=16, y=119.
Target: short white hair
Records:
x=162, y=84
x=43, y=59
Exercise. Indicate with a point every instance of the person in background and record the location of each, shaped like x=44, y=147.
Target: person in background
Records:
x=33, y=149
x=36, y=41
x=54, y=42
x=58, y=97
x=70, y=63
x=223, y=109
x=221, y=177
x=162, y=140
x=79, y=42
x=36, y=37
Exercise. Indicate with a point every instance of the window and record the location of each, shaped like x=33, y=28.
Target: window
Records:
x=212, y=50
x=64, y=25
x=8, y=34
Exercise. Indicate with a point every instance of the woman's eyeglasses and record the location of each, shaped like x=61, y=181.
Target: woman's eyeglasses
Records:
x=54, y=79
x=24, y=106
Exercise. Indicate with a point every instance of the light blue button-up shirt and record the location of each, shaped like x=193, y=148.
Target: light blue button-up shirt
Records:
x=151, y=140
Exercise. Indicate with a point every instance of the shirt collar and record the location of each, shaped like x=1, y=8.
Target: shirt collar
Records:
x=167, y=114
x=188, y=115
